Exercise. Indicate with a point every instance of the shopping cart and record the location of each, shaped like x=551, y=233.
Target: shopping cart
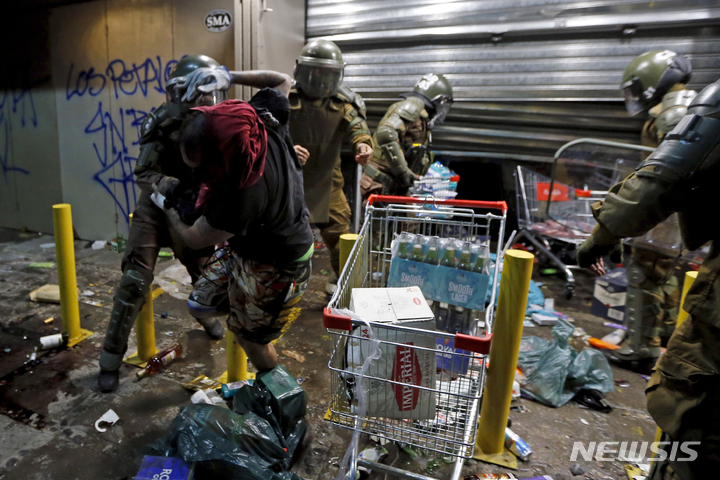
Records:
x=444, y=424
x=556, y=209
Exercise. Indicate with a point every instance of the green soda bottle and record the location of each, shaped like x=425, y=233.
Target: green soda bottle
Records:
x=449, y=258
x=403, y=246
x=464, y=263
x=417, y=253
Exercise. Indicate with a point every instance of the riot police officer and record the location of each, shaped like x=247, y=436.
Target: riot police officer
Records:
x=653, y=83
x=323, y=113
x=160, y=166
x=680, y=176
x=403, y=137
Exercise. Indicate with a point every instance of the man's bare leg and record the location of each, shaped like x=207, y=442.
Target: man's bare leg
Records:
x=264, y=357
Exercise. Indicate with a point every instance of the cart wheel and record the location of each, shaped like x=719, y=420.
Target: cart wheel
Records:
x=569, y=290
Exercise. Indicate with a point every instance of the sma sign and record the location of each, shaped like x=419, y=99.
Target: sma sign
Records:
x=218, y=20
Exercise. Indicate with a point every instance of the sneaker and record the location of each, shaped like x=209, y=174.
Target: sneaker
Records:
x=331, y=284
x=216, y=331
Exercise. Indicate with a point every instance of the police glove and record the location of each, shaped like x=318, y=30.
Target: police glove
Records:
x=204, y=80
x=599, y=244
x=407, y=179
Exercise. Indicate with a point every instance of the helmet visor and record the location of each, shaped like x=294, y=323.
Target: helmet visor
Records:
x=633, y=97
x=442, y=107
x=179, y=109
x=318, y=82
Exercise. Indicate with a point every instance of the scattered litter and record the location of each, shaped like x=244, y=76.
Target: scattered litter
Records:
x=202, y=382
x=377, y=276
x=584, y=421
x=93, y=303
x=637, y=472
x=528, y=324
x=577, y=469
x=167, y=468
x=324, y=272
x=47, y=293
x=371, y=454
x=301, y=380
x=41, y=265
x=7, y=350
x=599, y=344
x=516, y=389
x=622, y=383
x=53, y=341
x=519, y=408
x=209, y=397
x=227, y=390
x=517, y=445
x=431, y=465
x=98, y=244
x=163, y=315
x=110, y=417
x=550, y=304
x=592, y=398
x=484, y=476
x=546, y=272
x=47, y=245
x=544, y=477
x=645, y=377
x=294, y=355
x=543, y=319
x=175, y=280
x=88, y=293
x=380, y=440
x=615, y=337
x=49, y=320
x=614, y=325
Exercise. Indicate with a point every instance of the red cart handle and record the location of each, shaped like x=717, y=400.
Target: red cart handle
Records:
x=479, y=345
x=336, y=322
x=502, y=206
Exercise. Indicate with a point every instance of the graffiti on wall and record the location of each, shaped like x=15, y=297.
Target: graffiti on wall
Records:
x=19, y=105
x=114, y=133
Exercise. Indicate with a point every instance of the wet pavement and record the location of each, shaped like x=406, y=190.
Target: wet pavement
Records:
x=48, y=407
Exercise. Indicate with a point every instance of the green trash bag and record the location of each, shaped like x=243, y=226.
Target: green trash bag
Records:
x=247, y=443
x=554, y=371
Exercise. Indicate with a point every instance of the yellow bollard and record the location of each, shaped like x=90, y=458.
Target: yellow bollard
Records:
x=689, y=279
x=237, y=362
x=507, y=331
x=347, y=242
x=65, y=255
x=145, y=332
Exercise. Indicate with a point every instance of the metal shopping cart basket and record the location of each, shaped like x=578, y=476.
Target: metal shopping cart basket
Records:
x=443, y=424
x=557, y=208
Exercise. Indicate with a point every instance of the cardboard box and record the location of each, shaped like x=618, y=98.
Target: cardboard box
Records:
x=609, y=296
x=400, y=361
x=391, y=305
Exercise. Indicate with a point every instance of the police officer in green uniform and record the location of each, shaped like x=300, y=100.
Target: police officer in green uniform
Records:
x=681, y=176
x=160, y=166
x=653, y=83
x=323, y=113
x=403, y=137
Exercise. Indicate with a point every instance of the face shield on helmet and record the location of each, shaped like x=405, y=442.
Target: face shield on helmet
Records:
x=318, y=78
x=442, y=105
x=634, y=102
x=174, y=91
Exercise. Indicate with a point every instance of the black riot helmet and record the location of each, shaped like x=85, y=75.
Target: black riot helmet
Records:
x=437, y=94
x=176, y=86
x=319, y=69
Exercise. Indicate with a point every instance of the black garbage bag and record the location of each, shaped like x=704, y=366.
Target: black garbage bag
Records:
x=247, y=443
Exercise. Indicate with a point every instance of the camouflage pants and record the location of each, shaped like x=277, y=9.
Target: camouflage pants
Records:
x=261, y=296
x=660, y=293
x=683, y=395
x=338, y=221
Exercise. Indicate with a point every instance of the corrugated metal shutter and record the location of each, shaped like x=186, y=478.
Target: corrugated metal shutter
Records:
x=528, y=75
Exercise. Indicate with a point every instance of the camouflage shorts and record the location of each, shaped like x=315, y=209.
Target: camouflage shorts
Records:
x=261, y=296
